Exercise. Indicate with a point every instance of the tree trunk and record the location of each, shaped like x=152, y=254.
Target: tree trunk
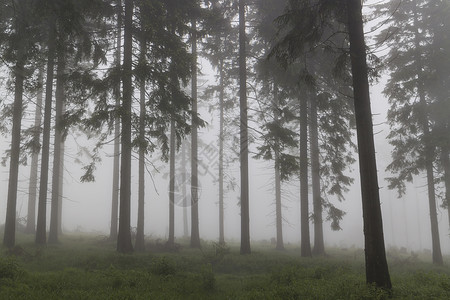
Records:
x=59, y=99
x=116, y=162
x=184, y=190
x=245, y=213
x=32, y=190
x=319, y=247
x=376, y=265
x=41, y=234
x=9, y=238
x=278, y=206
x=195, y=232
x=221, y=139
x=428, y=146
x=305, y=249
x=171, y=240
x=61, y=181
x=124, y=244
x=140, y=244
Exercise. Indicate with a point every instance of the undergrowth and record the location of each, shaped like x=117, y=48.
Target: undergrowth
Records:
x=88, y=267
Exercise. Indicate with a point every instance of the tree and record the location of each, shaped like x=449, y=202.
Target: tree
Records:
x=410, y=98
x=124, y=235
x=20, y=27
x=376, y=264
x=245, y=209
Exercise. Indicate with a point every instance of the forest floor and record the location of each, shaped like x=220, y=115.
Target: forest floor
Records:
x=88, y=267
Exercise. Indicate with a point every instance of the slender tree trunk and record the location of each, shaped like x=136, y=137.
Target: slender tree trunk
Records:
x=319, y=247
x=124, y=244
x=245, y=209
x=184, y=190
x=41, y=234
x=61, y=180
x=195, y=233
x=59, y=99
x=278, y=206
x=171, y=240
x=140, y=244
x=376, y=265
x=221, y=139
x=116, y=162
x=428, y=146
x=9, y=238
x=32, y=190
x=304, y=207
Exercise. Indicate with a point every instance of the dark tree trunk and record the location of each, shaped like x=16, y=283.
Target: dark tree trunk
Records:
x=278, y=206
x=9, y=238
x=305, y=249
x=245, y=209
x=124, y=244
x=32, y=190
x=376, y=265
x=116, y=163
x=61, y=182
x=428, y=147
x=171, y=240
x=319, y=247
x=221, y=139
x=59, y=99
x=184, y=190
x=195, y=232
x=41, y=234
x=140, y=244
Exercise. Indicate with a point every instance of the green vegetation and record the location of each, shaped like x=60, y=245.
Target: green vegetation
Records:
x=88, y=267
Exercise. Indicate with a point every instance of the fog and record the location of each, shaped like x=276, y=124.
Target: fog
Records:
x=87, y=206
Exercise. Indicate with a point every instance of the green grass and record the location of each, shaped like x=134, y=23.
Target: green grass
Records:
x=88, y=267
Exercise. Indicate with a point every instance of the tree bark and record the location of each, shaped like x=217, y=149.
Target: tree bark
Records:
x=278, y=205
x=221, y=139
x=59, y=103
x=376, y=265
x=140, y=244
x=184, y=190
x=41, y=235
x=9, y=237
x=32, y=189
x=124, y=244
x=445, y=161
x=319, y=247
x=61, y=181
x=245, y=214
x=305, y=249
x=116, y=162
x=195, y=231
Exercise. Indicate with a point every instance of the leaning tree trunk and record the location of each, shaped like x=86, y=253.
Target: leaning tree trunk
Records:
x=140, y=245
x=124, y=244
x=305, y=249
x=195, y=231
x=116, y=162
x=9, y=238
x=245, y=213
x=319, y=247
x=221, y=139
x=376, y=265
x=41, y=235
x=59, y=98
x=32, y=190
